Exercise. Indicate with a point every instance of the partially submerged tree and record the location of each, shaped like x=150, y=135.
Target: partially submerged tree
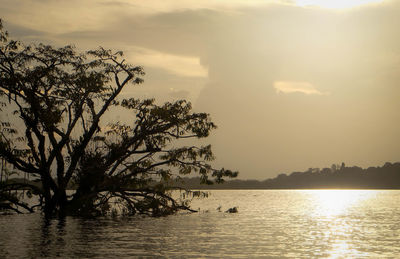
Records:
x=56, y=99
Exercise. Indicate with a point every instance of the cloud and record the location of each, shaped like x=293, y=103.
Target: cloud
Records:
x=178, y=94
x=336, y=4
x=75, y=15
x=288, y=87
x=163, y=6
x=187, y=66
x=64, y=16
x=221, y=54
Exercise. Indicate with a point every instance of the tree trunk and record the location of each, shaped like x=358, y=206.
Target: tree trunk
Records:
x=62, y=202
x=49, y=206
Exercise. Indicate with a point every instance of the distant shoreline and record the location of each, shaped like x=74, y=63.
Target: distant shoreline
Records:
x=338, y=177
x=298, y=189
x=386, y=177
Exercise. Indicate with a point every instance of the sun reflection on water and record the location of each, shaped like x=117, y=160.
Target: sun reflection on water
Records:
x=331, y=203
x=331, y=207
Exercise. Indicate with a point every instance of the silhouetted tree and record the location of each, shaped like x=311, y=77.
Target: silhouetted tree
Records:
x=56, y=99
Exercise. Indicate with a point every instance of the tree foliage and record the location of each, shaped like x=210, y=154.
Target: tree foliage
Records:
x=53, y=129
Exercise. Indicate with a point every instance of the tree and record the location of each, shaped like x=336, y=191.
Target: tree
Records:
x=56, y=99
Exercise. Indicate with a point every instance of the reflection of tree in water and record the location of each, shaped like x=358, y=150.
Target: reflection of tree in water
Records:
x=52, y=238
x=86, y=238
x=62, y=237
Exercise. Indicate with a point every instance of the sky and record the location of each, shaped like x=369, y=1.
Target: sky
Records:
x=291, y=84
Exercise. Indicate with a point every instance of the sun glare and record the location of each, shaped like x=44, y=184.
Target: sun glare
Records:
x=336, y=202
x=335, y=4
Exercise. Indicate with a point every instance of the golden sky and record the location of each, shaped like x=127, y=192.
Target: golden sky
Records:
x=292, y=84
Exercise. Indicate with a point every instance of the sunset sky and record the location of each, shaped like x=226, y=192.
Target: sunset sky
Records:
x=290, y=84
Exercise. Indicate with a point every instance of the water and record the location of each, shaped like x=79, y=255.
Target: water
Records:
x=270, y=224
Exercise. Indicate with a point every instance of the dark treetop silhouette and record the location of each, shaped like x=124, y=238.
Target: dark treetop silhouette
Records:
x=58, y=98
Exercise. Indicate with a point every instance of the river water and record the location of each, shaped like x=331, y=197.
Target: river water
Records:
x=269, y=224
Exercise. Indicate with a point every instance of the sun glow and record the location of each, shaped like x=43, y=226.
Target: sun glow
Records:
x=335, y=4
x=332, y=203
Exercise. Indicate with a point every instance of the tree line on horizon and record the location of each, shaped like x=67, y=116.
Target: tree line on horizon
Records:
x=335, y=177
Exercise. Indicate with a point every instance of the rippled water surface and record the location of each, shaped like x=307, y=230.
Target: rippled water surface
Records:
x=298, y=224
